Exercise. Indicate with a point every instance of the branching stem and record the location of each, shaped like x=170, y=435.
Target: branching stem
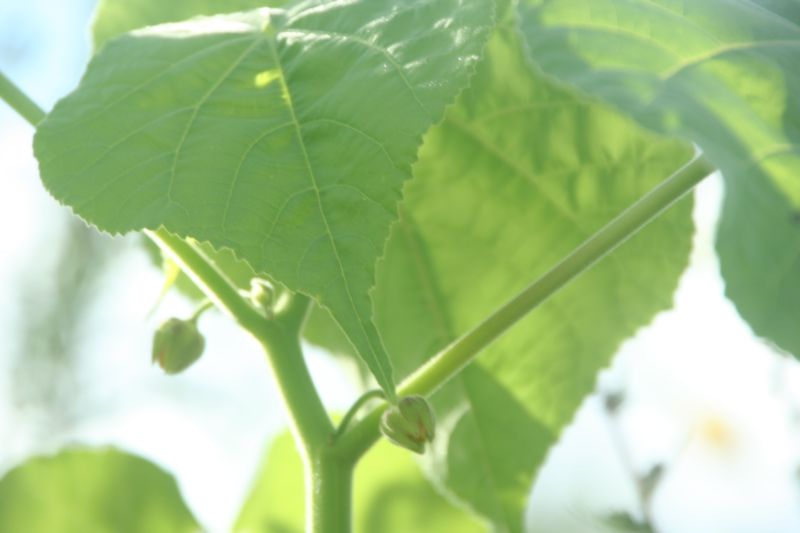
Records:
x=330, y=462
x=447, y=363
x=280, y=337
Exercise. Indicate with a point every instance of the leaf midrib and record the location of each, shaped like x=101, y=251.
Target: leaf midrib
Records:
x=386, y=377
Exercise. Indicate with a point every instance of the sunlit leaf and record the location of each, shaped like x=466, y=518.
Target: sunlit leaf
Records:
x=115, y=17
x=283, y=135
x=722, y=73
x=726, y=75
x=526, y=171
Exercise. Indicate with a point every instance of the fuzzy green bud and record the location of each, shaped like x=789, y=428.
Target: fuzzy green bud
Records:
x=262, y=294
x=409, y=424
x=177, y=344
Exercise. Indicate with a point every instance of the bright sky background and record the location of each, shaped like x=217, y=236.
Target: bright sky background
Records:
x=699, y=386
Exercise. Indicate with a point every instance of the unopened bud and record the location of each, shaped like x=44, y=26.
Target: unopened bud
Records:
x=177, y=344
x=262, y=294
x=409, y=424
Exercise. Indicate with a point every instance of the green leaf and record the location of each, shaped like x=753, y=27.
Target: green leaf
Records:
x=86, y=490
x=115, y=17
x=390, y=493
x=527, y=171
x=758, y=241
x=282, y=135
x=723, y=73
x=321, y=330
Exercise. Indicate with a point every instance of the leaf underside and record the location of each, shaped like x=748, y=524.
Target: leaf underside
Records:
x=526, y=171
x=284, y=135
x=726, y=75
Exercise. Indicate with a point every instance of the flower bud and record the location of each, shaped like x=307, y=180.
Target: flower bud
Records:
x=262, y=294
x=409, y=424
x=177, y=344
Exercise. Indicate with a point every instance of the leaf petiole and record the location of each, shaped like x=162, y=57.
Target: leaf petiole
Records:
x=353, y=411
x=202, y=308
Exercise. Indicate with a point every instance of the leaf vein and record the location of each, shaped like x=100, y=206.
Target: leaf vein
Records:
x=237, y=172
x=196, y=109
x=372, y=46
x=379, y=367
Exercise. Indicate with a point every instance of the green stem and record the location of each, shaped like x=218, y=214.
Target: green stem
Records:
x=280, y=338
x=452, y=359
x=329, y=502
x=208, y=278
x=329, y=466
x=20, y=102
x=357, y=405
x=329, y=478
x=202, y=308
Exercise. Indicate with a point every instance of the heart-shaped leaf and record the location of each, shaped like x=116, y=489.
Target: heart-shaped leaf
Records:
x=284, y=135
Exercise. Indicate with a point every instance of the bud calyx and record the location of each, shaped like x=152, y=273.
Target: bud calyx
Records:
x=409, y=424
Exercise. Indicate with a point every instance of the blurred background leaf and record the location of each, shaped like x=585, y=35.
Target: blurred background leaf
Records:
x=758, y=241
x=92, y=491
x=723, y=74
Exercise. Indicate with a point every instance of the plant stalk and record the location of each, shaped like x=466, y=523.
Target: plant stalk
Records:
x=353, y=411
x=279, y=337
x=329, y=464
x=329, y=501
x=328, y=477
x=20, y=102
x=447, y=363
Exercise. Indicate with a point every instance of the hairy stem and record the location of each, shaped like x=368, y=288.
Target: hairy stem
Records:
x=357, y=405
x=447, y=363
x=329, y=482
